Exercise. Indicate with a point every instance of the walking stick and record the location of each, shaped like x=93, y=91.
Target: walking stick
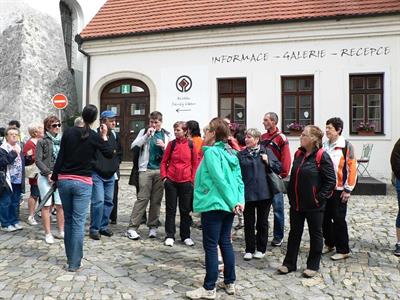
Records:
x=46, y=197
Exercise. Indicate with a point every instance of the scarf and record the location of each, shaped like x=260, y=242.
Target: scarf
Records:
x=56, y=143
x=254, y=151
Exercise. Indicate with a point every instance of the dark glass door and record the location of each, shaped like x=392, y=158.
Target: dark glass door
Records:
x=130, y=100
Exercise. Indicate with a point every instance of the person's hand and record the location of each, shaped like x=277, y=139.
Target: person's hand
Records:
x=17, y=148
x=104, y=131
x=150, y=131
x=29, y=152
x=160, y=143
x=49, y=178
x=345, y=197
x=238, y=209
x=264, y=157
x=164, y=180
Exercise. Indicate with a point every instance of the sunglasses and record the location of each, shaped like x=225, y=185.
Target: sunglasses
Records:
x=56, y=125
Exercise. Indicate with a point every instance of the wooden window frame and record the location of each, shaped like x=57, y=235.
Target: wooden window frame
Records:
x=66, y=24
x=297, y=94
x=366, y=92
x=232, y=95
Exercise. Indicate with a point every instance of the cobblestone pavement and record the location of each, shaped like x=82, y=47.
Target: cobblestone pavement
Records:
x=118, y=268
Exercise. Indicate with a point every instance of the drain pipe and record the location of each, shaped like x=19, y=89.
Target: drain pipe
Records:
x=79, y=41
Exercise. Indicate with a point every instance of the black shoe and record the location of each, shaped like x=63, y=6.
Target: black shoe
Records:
x=94, y=236
x=106, y=232
x=276, y=242
x=113, y=222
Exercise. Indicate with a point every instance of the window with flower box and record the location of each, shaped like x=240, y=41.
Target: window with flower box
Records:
x=297, y=103
x=366, y=104
x=232, y=100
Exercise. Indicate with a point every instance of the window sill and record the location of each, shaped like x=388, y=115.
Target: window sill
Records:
x=293, y=133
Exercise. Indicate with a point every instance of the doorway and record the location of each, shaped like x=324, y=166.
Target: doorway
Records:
x=130, y=100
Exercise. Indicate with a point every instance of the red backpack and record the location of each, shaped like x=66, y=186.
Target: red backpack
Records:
x=318, y=157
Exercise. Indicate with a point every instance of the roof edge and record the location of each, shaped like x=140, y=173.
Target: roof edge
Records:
x=79, y=39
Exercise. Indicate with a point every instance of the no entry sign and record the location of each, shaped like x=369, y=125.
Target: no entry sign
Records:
x=60, y=101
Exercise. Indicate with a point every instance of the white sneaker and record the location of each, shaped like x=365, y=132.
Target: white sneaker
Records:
x=132, y=234
x=153, y=233
x=169, y=242
x=258, y=255
x=189, y=242
x=49, y=238
x=18, y=226
x=228, y=287
x=32, y=221
x=9, y=228
x=60, y=235
x=248, y=256
x=202, y=293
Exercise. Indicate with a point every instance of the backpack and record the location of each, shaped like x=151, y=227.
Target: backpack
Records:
x=320, y=151
x=318, y=156
x=173, y=144
x=266, y=143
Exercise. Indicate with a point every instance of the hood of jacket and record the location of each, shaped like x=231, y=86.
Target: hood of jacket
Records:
x=229, y=154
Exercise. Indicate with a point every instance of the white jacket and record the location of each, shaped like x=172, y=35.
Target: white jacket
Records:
x=142, y=140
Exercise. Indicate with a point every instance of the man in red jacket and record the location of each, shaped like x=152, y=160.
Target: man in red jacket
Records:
x=279, y=144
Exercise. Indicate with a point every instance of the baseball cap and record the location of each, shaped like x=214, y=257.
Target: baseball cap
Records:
x=107, y=114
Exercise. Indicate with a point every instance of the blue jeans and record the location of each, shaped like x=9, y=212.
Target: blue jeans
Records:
x=217, y=226
x=279, y=216
x=5, y=203
x=102, y=202
x=398, y=199
x=75, y=197
x=13, y=213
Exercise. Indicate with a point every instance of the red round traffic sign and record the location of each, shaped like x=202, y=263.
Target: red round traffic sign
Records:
x=60, y=101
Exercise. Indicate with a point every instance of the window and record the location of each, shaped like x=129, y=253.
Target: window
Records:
x=297, y=102
x=232, y=99
x=66, y=21
x=366, y=102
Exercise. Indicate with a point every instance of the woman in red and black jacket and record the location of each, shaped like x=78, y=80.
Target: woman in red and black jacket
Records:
x=177, y=170
x=312, y=181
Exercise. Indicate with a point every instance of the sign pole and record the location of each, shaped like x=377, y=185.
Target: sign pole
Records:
x=60, y=102
x=59, y=117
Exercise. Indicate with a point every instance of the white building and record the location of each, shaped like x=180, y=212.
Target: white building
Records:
x=199, y=59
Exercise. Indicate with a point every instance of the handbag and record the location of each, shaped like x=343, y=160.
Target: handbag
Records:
x=275, y=183
x=3, y=182
x=31, y=171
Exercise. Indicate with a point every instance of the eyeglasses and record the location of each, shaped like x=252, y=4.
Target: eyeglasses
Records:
x=56, y=125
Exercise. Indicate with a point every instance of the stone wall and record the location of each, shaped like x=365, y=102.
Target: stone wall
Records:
x=33, y=68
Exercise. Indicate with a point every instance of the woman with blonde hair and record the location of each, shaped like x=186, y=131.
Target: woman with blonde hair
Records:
x=312, y=181
x=32, y=172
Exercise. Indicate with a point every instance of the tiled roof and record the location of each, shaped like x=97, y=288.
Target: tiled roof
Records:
x=129, y=17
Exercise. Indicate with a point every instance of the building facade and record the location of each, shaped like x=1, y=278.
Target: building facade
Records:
x=305, y=70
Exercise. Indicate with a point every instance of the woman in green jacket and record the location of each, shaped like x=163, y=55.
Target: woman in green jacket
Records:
x=218, y=195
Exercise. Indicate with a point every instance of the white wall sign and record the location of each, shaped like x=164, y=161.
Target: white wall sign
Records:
x=184, y=95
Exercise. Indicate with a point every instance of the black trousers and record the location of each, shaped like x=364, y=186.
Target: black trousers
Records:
x=114, y=212
x=314, y=221
x=256, y=241
x=335, y=226
x=178, y=194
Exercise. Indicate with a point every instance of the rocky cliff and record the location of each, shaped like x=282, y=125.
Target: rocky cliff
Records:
x=33, y=68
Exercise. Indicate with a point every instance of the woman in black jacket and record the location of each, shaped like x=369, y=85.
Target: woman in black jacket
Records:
x=73, y=173
x=312, y=181
x=255, y=161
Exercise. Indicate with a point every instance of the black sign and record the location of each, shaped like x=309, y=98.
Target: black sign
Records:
x=183, y=84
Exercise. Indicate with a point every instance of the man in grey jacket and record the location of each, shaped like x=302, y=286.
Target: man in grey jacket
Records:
x=152, y=141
